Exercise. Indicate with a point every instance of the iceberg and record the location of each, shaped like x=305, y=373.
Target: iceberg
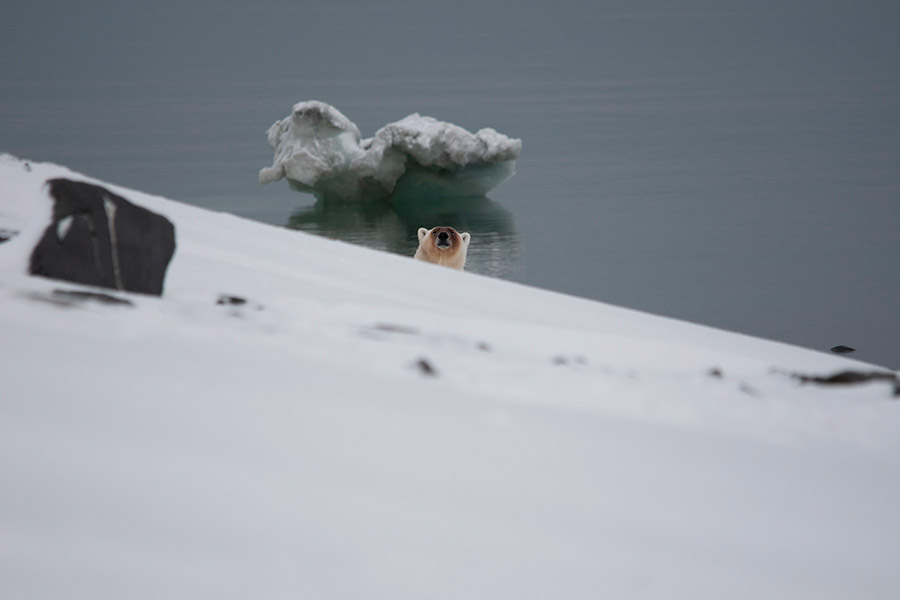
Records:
x=320, y=151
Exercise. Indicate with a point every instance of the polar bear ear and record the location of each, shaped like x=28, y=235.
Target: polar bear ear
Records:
x=422, y=233
x=465, y=238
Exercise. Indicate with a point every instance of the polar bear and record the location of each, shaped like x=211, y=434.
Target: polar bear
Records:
x=443, y=246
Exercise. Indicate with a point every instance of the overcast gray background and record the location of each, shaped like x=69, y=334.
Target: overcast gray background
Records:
x=733, y=163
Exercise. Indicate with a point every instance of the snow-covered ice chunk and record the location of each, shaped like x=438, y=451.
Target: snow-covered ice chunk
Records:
x=320, y=151
x=314, y=145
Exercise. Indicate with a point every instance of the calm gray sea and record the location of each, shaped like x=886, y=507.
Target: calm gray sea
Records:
x=735, y=164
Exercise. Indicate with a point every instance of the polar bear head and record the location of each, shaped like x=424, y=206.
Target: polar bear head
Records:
x=443, y=246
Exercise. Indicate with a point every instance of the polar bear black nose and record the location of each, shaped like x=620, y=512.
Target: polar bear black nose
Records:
x=443, y=236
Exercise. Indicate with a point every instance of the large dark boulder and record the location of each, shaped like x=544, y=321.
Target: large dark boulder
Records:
x=99, y=238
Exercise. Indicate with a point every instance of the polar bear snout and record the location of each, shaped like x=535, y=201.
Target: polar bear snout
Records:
x=444, y=246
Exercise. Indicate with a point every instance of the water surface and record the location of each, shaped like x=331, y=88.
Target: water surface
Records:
x=732, y=163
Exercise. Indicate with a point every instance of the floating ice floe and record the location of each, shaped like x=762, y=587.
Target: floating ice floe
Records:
x=321, y=151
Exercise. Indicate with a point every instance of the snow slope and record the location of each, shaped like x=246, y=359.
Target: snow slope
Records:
x=297, y=446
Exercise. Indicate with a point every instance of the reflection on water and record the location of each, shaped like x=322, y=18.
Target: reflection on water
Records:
x=391, y=225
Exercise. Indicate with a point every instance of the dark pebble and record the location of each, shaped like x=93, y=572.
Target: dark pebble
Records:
x=843, y=349
x=425, y=368
x=231, y=300
x=846, y=377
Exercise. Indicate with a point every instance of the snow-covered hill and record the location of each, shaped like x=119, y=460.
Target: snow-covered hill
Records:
x=368, y=426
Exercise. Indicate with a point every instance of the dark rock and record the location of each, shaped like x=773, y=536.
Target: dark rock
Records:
x=231, y=300
x=101, y=239
x=843, y=349
x=847, y=377
x=715, y=372
x=425, y=368
x=7, y=234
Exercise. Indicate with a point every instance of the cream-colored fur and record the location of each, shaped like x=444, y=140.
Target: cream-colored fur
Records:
x=449, y=251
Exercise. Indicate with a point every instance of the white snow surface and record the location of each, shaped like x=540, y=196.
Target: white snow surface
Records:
x=291, y=447
x=320, y=149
